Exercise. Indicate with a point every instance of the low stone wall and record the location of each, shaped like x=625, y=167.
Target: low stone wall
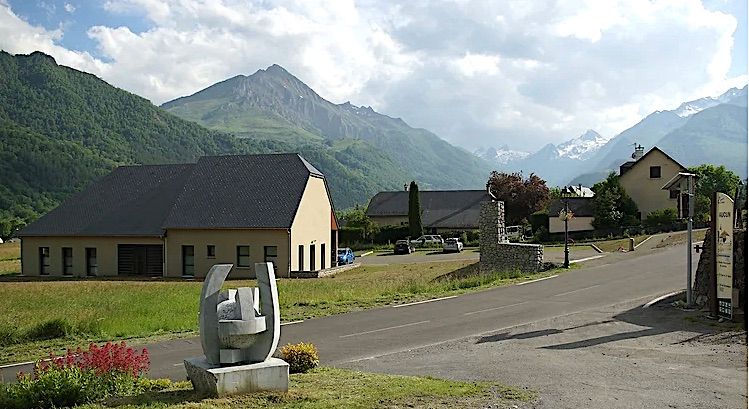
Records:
x=512, y=256
x=497, y=254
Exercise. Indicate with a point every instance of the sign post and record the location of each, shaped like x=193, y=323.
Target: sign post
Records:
x=724, y=254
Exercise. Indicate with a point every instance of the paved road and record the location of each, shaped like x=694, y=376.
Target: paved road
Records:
x=550, y=254
x=367, y=334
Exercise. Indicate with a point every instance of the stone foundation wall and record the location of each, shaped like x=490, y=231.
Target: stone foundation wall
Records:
x=497, y=253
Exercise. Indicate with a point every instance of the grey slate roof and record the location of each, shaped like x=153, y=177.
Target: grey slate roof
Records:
x=239, y=191
x=445, y=209
x=132, y=200
x=580, y=207
x=258, y=191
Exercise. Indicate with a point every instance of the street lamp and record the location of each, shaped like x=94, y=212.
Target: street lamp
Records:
x=566, y=215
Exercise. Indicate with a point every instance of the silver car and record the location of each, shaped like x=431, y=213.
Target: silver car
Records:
x=452, y=245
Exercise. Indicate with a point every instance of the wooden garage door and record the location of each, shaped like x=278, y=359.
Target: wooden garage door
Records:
x=140, y=259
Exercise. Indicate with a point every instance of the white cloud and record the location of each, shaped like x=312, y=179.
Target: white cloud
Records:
x=472, y=64
x=69, y=8
x=477, y=73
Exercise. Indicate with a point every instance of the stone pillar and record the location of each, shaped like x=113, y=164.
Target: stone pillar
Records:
x=492, y=224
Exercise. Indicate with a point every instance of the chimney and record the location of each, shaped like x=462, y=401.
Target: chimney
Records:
x=639, y=152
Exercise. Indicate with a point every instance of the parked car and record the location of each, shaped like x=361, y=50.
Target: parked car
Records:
x=403, y=247
x=514, y=232
x=345, y=256
x=452, y=245
x=428, y=239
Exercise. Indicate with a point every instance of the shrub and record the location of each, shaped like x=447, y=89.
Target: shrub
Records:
x=54, y=328
x=663, y=216
x=301, y=357
x=78, y=377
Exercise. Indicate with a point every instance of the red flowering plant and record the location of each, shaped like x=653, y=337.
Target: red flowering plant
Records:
x=81, y=376
x=102, y=360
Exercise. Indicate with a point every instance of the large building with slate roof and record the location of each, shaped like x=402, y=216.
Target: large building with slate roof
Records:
x=441, y=210
x=179, y=220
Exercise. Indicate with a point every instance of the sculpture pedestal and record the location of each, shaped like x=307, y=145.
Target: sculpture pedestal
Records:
x=216, y=381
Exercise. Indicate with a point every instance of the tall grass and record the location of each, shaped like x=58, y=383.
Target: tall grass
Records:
x=119, y=309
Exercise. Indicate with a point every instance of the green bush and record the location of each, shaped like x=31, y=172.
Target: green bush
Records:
x=54, y=328
x=301, y=357
x=65, y=387
x=663, y=216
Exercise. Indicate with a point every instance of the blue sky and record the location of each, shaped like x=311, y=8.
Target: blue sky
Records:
x=477, y=73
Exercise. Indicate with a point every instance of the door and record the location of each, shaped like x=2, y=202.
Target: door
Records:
x=92, y=266
x=188, y=261
x=140, y=259
x=323, y=256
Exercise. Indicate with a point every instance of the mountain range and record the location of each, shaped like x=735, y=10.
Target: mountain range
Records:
x=61, y=128
x=381, y=153
x=706, y=130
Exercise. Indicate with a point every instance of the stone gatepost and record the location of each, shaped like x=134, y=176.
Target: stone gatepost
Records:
x=497, y=253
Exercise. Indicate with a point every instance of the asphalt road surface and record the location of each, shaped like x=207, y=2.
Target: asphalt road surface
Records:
x=362, y=335
x=436, y=255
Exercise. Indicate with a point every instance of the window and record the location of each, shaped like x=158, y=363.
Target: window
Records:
x=301, y=257
x=210, y=251
x=322, y=256
x=92, y=267
x=312, y=257
x=188, y=260
x=271, y=255
x=243, y=256
x=655, y=172
x=43, y=260
x=67, y=261
x=673, y=194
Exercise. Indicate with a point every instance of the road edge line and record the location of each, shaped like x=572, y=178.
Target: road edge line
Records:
x=661, y=298
x=537, y=280
x=643, y=242
x=291, y=322
x=423, y=302
x=587, y=259
x=366, y=254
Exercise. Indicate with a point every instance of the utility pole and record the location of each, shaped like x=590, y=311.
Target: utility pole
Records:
x=690, y=193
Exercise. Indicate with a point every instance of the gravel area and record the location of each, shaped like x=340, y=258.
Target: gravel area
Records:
x=622, y=356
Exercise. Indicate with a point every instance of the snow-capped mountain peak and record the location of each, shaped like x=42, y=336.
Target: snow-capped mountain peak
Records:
x=692, y=107
x=582, y=147
x=501, y=155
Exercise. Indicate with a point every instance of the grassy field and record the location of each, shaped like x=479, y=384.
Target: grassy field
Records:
x=339, y=388
x=99, y=310
x=10, y=258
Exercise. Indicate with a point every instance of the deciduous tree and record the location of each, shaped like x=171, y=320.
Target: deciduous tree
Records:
x=522, y=197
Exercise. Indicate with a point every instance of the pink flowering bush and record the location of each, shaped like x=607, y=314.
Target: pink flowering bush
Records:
x=78, y=377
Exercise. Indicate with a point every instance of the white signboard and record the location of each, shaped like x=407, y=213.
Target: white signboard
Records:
x=724, y=253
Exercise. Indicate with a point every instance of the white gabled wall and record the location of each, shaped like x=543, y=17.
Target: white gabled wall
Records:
x=311, y=226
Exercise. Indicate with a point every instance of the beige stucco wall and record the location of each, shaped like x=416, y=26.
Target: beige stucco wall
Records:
x=647, y=192
x=226, y=242
x=390, y=220
x=312, y=225
x=576, y=224
x=106, y=253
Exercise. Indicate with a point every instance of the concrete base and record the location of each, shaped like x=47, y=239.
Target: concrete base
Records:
x=212, y=380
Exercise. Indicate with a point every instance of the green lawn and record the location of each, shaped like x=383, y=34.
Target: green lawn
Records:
x=100, y=310
x=10, y=258
x=340, y=388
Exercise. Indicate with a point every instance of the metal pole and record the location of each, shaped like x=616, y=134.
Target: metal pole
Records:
x=566, y=233
x=690, y=192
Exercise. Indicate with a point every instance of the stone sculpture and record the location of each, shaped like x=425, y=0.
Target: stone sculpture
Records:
x=239, y=332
